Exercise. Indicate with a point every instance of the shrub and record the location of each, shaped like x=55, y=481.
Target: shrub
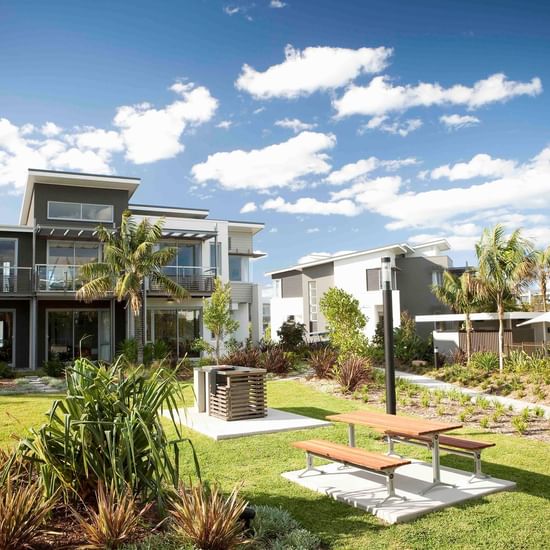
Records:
x=271, y=522
x=408, y=346
x=485, y=361
x=539, y=412
x=484, y=422
x=156, y=351
x=243, y=357
x=298, y=539
x=276, y=361
x=291, y=335
x=108, y=429
x=322, y=361
x=54, y=367
x=6, y=371
x=519, y=424
x=23, y=511
x=114, y=522
x=352, y=373
x=425, y=399
x=203, y=516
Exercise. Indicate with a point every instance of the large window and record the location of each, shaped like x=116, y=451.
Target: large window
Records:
x=8, y=252
x=313, y=307
x=374, y=279
x=77, y=211
x=74, y=333
x=72, y=253
x=7, y=336
x=235, y=268
x=178, y=328
x=216, y=257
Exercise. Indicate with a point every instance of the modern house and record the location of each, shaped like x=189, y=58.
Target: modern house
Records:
x=40, y=259
x=299, y=288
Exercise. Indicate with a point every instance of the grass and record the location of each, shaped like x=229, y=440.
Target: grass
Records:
x=498, y=521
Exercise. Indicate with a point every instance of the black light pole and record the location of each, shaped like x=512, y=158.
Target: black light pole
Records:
x=388, y=334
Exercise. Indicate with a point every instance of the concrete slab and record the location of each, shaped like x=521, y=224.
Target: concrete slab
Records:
x=275, y=421
x=366, y=490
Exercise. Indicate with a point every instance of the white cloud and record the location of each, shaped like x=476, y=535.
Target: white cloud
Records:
x=396, y=127
x=154, y=134
x=273, y=230
x=277, y=4
x=308, y=205
x=279, y=165
x=97, y=139
x=224, y=124
x=295, y=124
x=313, y=230
x=258, y=110
x=525, y=188
x=481, y=165
x=362, y=167
x=232, y=10
x=50, y=129
x=455, y=122
x=249, y=207
x=380, y=97
x=311, y=70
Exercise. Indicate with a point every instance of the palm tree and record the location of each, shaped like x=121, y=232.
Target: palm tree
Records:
x=461, y=294
x=505, y=266
x=130, y=256
x=541, y=272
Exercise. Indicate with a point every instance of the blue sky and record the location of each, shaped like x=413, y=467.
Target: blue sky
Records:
x=341, y=125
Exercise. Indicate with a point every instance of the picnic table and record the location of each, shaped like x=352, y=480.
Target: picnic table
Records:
x=390, y=424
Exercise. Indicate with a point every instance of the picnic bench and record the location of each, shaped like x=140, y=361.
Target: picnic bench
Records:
x=351, y=456
x=455, y=445
x=412, y=428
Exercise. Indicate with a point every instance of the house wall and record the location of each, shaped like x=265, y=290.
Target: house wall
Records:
x=240, y=241
x=22, y=313
x=351, y=275
x=414, y=280
x=323, y=275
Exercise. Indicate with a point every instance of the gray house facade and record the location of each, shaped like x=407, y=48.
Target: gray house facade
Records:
x=40, y=259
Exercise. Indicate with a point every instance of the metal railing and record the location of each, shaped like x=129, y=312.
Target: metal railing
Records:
x=15, y=280
x=192, y=278
x=58, y=278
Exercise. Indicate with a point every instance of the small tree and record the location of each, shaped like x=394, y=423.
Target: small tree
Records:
x=217, y=315
x=345, y=322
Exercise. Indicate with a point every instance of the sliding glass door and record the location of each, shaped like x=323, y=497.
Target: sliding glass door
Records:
x=79, y=333
x=178, y=328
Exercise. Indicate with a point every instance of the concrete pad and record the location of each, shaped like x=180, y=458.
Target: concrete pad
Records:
x=366, y=490
x=275, y=421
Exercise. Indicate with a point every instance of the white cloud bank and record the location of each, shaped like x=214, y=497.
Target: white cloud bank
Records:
x=380, y=97
x=313, y=69
x=279, y=165
x=362, y=167
x=395, y=127
x=248, y=207
x=143, y=133
x=308, y=205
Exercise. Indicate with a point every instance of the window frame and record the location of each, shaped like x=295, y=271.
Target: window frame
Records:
x=16, y=256
x=81, y=218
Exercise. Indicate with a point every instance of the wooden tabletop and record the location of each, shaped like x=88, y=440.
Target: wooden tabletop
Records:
x=389, y=423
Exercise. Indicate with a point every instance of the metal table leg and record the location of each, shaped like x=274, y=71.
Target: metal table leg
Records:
x=351, y=435
x=436, y=468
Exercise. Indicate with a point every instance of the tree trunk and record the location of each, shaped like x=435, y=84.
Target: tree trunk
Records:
x=500, y=308
x=468, y=339
x=543, y=291
x=217, y=352
x=138, y=332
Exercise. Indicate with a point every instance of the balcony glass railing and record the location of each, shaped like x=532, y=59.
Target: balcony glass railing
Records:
x=192, y=278
x=58, y=278
x=15, y=280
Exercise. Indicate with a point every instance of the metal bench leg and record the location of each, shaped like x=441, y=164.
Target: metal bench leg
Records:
x=391, y=448
x=309, y=466
x=390, y=487
x=436, y=468
x=478, y=474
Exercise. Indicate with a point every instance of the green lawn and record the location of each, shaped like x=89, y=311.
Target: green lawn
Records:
x=506, y=520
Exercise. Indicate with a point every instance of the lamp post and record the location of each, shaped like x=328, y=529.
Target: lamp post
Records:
x=388, y=334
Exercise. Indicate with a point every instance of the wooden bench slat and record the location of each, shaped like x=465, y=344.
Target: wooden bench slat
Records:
x=458, y=442
x=350, y=455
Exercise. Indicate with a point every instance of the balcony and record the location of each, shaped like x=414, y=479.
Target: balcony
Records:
x=15, y=280
x=58, y=278
x=195, y=279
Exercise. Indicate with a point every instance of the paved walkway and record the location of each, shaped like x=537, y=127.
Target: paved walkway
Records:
x=433, y=384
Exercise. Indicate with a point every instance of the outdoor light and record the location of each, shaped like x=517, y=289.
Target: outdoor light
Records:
x=388, y=334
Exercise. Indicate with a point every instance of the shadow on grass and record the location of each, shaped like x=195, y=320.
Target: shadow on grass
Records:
x=531, y=483
x=312, y=412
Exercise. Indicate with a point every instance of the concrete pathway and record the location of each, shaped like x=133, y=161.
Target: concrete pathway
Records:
x=433, y=384
x=38, y=386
